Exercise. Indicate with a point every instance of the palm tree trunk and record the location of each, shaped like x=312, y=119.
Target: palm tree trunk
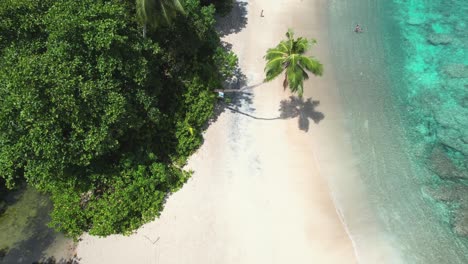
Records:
x=285, y=82
x=144, y=30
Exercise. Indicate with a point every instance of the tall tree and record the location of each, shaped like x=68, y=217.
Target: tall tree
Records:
x=154, y=13
x=99, y=117
x=223, y=7
x=289, y=56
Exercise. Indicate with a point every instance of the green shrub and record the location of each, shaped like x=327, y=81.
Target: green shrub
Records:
x=98, y=115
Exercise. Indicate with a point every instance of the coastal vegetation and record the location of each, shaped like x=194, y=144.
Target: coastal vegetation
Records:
x=289, y=57
x=155, y=13
x=99, y=115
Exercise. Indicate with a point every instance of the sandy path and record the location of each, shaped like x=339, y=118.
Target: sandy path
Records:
x=257, y=195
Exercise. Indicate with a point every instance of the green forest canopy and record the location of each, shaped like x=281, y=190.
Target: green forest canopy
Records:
x=97, y=115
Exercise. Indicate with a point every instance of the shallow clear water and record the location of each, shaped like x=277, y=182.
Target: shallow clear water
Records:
x=24, y=235
x=404, y=83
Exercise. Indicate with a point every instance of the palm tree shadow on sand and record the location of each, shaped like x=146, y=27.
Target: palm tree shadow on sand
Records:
x=294, y=107
x=303, y=109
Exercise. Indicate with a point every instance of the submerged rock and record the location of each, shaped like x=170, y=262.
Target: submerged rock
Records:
x=444, y=167
x=449, y=116
x=464, y=100
x=450, y=193
x=452, y=129
x=455, y=194
x=456, y=70
x=440, y=39
x=454, y=138
x=461, y=222
x=461, y=26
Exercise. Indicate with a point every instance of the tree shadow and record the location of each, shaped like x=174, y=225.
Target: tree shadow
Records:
x=234, y=110
x=38, y=239
x=238, y=80
x=294, y=107
x=237, y=96
x=304, y=110
x=52, y=260
x=233, y=22
x=237, y=93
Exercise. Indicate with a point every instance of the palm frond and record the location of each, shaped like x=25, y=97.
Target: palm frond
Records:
x=311, y=64
x=290, y=42
x=301, y=45
x=283, y=46
x=274, y=53
x=274, y=68
x=304, y=72
x=178, y=6
x=143, y=8
x=290, y=34
x=157, y=12
x=165, y=12
x=295, y=78
x=288, y=55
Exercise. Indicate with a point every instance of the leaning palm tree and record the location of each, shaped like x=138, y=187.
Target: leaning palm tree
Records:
x=154, y=13
x=289, y=56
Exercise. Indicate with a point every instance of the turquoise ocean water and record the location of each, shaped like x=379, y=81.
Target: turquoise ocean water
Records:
x=404, y=87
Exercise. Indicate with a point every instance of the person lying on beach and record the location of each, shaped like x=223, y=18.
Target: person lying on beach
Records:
x=358, y=29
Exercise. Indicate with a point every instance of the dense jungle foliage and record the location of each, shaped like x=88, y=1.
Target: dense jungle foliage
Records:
x=98, y=115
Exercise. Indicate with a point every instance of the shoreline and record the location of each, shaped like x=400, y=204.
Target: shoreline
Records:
x=335, y=156
x=378, y=97
x=249, y=202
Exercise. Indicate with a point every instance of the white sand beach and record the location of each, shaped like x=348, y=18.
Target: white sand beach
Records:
x=259, y=193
